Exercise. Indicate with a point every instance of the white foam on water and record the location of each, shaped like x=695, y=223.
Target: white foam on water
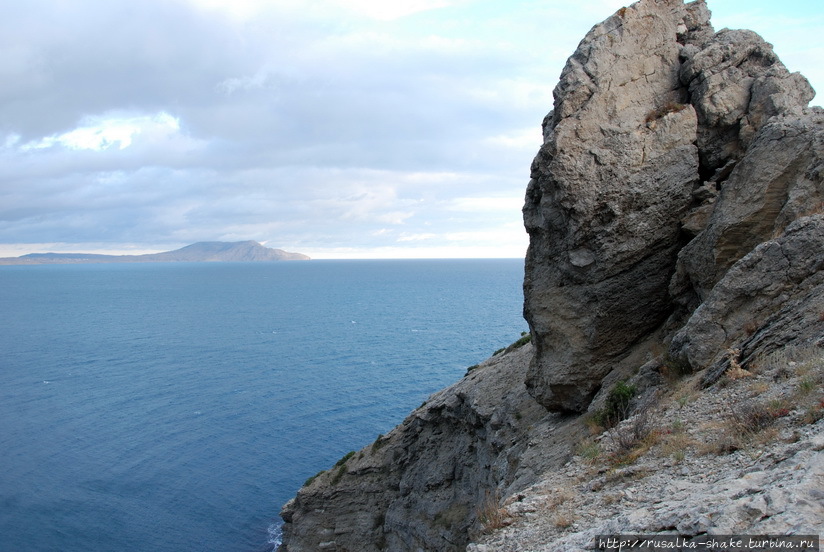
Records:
x=275, y=534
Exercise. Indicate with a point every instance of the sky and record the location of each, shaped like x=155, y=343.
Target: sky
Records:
x=333, y=128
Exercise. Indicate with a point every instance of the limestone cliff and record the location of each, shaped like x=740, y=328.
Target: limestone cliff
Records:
x=676, y=230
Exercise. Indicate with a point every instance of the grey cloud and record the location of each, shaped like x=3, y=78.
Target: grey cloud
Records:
x=285, y=122
x=311, y=127
x=155, y=56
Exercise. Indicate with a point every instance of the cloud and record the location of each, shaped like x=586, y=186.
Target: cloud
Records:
x=487, y=204
x=330, y=126
x=100, y=133
x=379, y=9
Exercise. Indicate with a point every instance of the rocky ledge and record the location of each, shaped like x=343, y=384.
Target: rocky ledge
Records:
x=675, y=298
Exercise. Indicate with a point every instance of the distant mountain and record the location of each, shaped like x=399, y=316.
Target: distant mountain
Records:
x=244, y=251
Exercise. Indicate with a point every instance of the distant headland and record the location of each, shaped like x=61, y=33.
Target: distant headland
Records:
x=242, y=251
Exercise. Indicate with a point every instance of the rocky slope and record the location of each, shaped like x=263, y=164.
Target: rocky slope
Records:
x=676, y=231
x=747, y=458
x=418, y=486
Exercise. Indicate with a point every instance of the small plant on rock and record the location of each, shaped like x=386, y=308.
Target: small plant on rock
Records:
x=311, y=479
x=564, y=520
x=617, y=406
x=378, y=443
x=525, y=338
x=736, y=371
x=344, y=459
x=589, y=450
x=633, y=438
x=471, y=368
x=662, y=111
x=341, y=471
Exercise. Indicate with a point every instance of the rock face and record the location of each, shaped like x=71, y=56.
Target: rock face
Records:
x=676, y=219
x=653, y=116
x=420, y=486
x=772, y=298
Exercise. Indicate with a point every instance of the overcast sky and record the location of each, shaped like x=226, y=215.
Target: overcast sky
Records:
x=335, y=128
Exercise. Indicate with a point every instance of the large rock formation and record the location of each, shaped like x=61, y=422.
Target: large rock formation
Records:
x=675, y=220
x=652, y=117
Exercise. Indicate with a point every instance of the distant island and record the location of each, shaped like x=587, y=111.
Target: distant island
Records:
x=243, y=251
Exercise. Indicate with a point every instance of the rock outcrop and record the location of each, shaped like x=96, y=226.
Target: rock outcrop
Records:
x=770, y=299
x=419, y=486
x=676, y=227
x=660, y=128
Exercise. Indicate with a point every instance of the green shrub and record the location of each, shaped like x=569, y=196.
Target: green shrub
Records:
x=616, y=407
x=469, y=370
x=339, y=474
x=525, y=338
x=309, y=481
x=346, y=457
x=379, y=442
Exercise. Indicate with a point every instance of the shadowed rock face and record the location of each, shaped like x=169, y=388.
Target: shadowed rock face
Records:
x=771, y=298
x=652, y=114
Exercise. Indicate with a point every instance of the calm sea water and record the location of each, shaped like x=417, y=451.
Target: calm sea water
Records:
x=176, y=407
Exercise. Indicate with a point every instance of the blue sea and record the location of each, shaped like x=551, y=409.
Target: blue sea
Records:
x=175, y=407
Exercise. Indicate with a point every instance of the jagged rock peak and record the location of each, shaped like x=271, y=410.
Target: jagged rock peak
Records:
x=651, y=115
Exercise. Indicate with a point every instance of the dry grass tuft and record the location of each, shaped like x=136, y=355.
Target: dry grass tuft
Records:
x=675, y=443
x=559, y=498
x=564, y=520
x=666, y=109
x=634, y=438
x=735, y=370
x=490, y=515
x=589, y=450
